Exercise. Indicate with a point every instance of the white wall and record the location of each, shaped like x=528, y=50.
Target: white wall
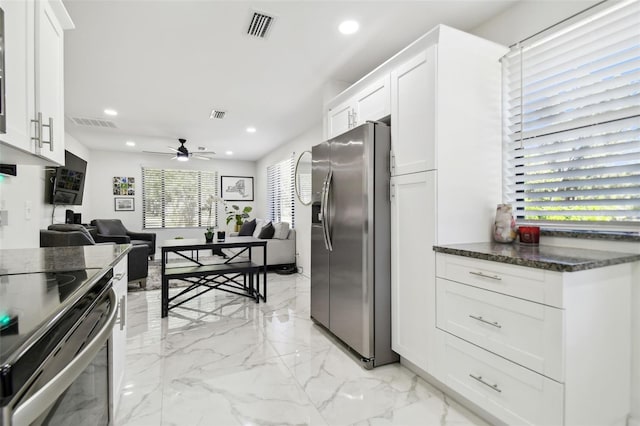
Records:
x=23, y=197
x=520, y=21
x=108, y=164
x=298, y=145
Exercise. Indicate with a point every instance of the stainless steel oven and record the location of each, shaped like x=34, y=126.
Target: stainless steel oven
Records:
x=3, y=114
x=60, y=374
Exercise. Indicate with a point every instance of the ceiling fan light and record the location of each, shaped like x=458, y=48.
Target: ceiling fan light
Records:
x=183, y=158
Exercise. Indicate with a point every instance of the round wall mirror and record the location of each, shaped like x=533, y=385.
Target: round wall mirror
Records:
x=303, y=178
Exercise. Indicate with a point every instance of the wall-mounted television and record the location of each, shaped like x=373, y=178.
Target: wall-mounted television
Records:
x=65, y=184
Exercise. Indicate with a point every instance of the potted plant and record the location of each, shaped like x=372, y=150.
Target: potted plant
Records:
x=208, y=235
x=237, y=215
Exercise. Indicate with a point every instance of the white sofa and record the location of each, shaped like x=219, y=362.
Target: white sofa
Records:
x=279, y=252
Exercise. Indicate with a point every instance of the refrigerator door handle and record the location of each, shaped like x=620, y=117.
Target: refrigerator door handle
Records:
x=323, y=211
x=327, y=221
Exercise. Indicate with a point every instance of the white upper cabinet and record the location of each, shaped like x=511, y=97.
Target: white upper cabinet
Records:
x=19, y=69
x=372, y=103
x=34, y=58
x=339, y=119
x=49, y=72
x=369, y=104
x=413, y=114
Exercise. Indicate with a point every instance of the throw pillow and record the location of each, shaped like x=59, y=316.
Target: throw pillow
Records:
x=267, y=232
x=259, y=224
x=247, y=228
x=281, y=230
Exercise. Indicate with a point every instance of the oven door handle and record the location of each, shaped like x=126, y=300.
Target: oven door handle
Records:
x=33, y=407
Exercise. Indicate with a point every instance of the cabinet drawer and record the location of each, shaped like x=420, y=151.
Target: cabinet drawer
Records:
x=532, y=284
x=512, y=393
x=524, y=332
x=120, y=270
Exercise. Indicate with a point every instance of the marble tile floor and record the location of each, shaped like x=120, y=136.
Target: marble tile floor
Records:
x=222, y=359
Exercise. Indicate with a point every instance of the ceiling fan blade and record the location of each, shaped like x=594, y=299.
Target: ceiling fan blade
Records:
x=201, y=158
x=160, y=153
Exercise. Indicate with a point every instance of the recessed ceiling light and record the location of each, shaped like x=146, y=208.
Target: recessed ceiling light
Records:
x=111, y=112
x=229, y=152
x=251, y=129
x=131, y=143
x=349, y=27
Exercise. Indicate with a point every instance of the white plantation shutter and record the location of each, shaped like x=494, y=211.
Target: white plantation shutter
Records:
x=178, y=198
x=281, y=191
x=571, y=110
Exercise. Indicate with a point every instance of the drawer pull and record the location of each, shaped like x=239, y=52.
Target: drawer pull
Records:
x=118, y=277
x=480, y=274
x=494, y=323
x=493, y=387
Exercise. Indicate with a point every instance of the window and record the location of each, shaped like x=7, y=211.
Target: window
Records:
x=571, y=111
x=178, y=198
x=281, y=191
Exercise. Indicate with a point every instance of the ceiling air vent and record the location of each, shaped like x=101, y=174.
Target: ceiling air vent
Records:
x=259, y=25
x=93, y=122
x=217, y=114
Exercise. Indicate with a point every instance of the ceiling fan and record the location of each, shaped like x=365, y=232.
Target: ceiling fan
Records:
x=182, y=153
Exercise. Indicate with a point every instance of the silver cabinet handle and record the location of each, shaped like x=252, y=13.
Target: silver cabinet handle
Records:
x=392, y=162
x=349, y=119
x=493, y=387
x=483, y=275
x=355, y=118
x=479, y=318
x=323, y=211
x=35, y=405
x=38, y=136
x=50, y=127
x=118, y=277
x=39, y=126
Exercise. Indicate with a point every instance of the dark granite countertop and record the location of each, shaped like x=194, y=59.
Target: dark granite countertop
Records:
x=58, y=259
x=560, y=259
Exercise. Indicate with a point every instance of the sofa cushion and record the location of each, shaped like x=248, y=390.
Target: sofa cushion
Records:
x=267, y=232
x=259, y=225
x=281, y=230
x=247, y=229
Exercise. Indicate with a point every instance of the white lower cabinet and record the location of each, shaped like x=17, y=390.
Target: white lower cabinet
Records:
x=118, y=341
x=533, y=346
x=514, y=394
x=413, y=263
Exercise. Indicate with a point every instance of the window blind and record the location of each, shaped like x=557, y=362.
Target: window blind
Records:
x=178, y=198
x=281, y=191
x=571, y=111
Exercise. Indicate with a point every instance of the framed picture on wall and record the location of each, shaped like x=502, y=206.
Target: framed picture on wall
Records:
x=122, y=204
x=236, y=188
x=123, y=185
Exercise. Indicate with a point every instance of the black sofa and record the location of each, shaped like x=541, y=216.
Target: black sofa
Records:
x=113, y=231
x=64, y=235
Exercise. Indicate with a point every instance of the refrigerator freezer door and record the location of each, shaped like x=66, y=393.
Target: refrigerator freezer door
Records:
x=351, y=293
x=320, y=167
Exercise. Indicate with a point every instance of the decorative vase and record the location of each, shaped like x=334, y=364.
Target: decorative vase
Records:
x=221, y=235
x=208, y=237
x=504, y=230
x=238, y=226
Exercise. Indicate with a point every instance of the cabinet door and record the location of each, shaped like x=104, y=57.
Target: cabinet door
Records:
x=373, y=103
x=50, y=80
x=413, y=313
x=19, y=63
x=118, y=341
x=413, y=114
x=339, y=119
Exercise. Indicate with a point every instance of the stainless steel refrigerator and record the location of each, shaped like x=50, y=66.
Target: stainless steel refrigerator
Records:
x=351, y=241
